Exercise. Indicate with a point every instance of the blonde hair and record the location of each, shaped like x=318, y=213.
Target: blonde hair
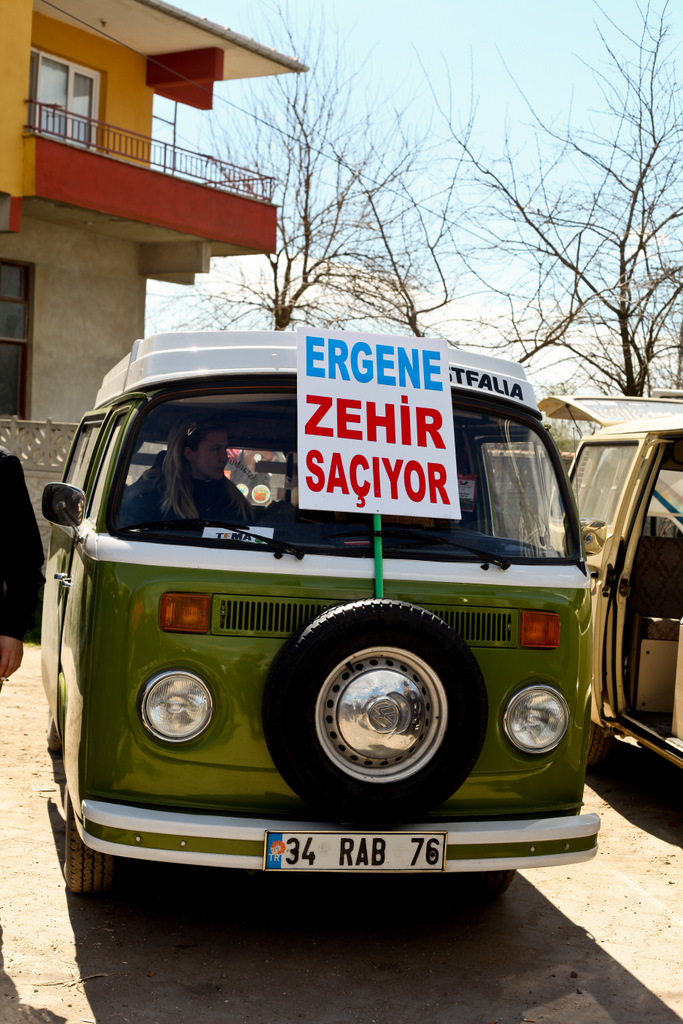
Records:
x=178, y=491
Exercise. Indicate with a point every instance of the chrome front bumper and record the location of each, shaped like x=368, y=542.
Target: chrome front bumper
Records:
x=232, y=842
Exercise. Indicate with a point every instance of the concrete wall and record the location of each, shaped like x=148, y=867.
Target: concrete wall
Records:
x=88, y=309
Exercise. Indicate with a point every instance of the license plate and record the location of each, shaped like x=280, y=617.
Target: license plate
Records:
x=354, y=851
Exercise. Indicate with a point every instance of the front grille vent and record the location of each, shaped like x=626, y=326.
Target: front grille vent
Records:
x=481, y=627
x=260, y=616
x=245, y=616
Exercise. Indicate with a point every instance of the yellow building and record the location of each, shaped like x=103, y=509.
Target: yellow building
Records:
x=91, y=206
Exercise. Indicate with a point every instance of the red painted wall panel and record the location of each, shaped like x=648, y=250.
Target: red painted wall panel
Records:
x=80, y=178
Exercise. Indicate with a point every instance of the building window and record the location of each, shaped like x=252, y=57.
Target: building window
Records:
x=14, y=334
x=64, y=97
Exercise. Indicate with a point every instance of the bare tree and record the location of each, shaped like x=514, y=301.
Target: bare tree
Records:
x=406, y=279
x=360, y=244
x=583, y=254
x=300, y=134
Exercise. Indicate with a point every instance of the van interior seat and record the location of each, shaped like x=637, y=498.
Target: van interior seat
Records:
x=652, y=628
x=656, y=607
x=657, y=579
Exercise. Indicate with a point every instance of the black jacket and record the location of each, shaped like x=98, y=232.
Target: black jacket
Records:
x=217, y=500
x=21, y=551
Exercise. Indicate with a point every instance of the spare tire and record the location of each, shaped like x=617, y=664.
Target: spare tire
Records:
x=375, y=712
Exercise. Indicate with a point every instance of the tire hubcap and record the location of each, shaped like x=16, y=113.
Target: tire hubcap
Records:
x=381, y=714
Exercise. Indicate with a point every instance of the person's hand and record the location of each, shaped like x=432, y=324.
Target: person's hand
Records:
x=11, y=653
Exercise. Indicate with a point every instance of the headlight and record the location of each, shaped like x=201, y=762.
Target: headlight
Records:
x=536, y=719
x=176, y=706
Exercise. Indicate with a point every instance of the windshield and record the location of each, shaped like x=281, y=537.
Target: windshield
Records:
x=222, y=470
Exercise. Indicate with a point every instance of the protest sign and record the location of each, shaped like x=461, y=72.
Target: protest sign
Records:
x=375, y=425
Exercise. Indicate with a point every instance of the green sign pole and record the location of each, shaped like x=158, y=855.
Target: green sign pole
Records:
x=379, y=567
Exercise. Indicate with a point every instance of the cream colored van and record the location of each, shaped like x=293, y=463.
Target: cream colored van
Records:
x=628, y=482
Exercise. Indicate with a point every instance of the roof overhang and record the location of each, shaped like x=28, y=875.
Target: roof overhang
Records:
x=158, y=30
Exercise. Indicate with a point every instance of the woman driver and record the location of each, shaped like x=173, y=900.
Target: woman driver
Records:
x=191, y=483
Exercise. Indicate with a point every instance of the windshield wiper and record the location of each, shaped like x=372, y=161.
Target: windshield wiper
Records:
x=430, y=538
x=278, y=547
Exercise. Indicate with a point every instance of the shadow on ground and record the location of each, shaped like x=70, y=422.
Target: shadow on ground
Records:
x=12, y=1011
x=175, y=943
x=644, y=788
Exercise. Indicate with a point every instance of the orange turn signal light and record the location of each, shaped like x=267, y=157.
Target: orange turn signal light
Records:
x=540, y=629
x=185, y=613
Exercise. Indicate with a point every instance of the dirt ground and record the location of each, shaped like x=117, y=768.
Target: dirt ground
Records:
x=586, y=944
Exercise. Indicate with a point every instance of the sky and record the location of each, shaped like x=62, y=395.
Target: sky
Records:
x=500, y=54
x=480, y=47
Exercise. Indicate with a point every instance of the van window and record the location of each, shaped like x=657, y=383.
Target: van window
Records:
x=104, y=465
x=665, y=512
x=517, y=476
x=85, y=442
x=510, y=490
x=599, y=478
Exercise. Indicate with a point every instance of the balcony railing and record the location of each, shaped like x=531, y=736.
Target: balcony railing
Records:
x=54, y=121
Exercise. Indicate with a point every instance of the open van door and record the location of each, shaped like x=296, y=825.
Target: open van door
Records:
x=628, y=483
x=607, y=477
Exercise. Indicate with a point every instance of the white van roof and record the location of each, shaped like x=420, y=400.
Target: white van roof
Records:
x=182, y=356
x=609, y=409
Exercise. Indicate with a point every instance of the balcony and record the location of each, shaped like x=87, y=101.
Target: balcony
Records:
x=52, y=121
x=96, y=177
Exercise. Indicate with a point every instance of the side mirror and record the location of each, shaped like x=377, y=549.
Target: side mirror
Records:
x=594, y=533
x=63, y=505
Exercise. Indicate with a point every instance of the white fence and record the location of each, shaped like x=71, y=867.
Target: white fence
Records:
x=42, y=447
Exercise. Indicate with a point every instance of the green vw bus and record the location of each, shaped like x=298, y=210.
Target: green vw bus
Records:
x=237, y=679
